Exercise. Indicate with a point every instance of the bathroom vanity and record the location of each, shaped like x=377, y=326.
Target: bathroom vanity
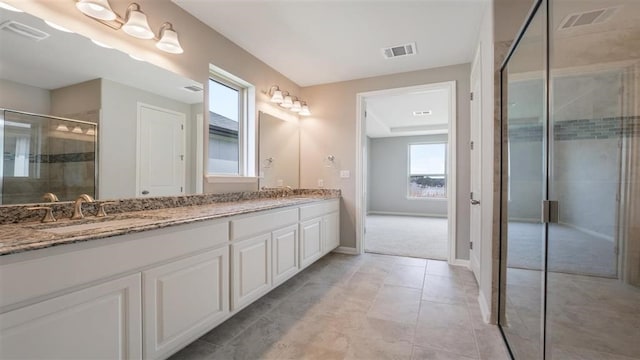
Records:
x=144, y=284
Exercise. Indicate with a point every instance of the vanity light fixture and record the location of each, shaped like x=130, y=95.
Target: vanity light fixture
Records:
x=99, y=9
x=305, y=110
x=276, y=94
x=62, y=127
x=90, y=132
x=9, y=7
x=297, y=106
x=77, y=130
x=287, y=101
x=134, y=23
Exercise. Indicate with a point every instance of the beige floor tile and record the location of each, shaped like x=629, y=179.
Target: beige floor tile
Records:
x=407, y=276
x=428, y=353
x=442, y=289
x=365, y=348
x=447, y=327
x=396, y=303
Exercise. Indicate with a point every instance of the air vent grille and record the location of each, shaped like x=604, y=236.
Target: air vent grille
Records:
x=193, y=88
x=422, y=113
x=399, y=50
x=24, y=30
x=587, y=18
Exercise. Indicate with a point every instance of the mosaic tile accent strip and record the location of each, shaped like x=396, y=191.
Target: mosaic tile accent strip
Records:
x=584, y=129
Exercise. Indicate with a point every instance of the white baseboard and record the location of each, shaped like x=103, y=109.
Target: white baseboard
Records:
x=461, y=262
x=346, y=250
x=484, y=308
x=444, y=216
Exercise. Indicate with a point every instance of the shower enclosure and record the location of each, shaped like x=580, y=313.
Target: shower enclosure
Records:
x=43, y=154
x=570, y=207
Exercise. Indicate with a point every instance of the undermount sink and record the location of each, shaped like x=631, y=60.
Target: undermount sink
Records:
x=105, y=224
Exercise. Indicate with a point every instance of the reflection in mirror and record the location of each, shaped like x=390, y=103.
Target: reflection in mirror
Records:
x=150, y=120
x=279, y=150
x=45, y=154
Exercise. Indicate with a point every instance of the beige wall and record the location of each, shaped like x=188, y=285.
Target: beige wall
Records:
x=332, y=130
x=202, y=46
x=21, y=97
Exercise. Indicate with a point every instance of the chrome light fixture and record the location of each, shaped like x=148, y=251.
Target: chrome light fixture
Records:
x=134, y=23
x=99, y=9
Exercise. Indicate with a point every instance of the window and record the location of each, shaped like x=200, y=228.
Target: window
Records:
x=427, y=171
x=226, y=115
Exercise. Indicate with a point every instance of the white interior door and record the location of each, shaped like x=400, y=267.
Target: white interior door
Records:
x=476, y=169
x=161, y=150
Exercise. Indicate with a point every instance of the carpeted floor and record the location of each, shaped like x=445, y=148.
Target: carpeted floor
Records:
x=413, y=236
x=570, y=251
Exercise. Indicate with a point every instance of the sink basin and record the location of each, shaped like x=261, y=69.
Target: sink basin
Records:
x=108, y=223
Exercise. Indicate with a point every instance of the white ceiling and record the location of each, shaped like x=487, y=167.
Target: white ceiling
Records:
x=64, y=59
x=392, y=115
x=314, y=42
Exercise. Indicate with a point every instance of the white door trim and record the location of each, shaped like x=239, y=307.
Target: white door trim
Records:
x=451, y=160
x=476, y=74
x=140, y=105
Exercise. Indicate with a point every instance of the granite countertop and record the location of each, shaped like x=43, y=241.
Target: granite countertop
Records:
x=32, y=235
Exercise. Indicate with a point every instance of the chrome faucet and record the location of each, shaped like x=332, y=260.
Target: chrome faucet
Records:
x=50, y=197
x=285, y=190
x=77, y=206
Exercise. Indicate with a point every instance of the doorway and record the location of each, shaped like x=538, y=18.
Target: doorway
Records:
x=405, y=176
x=161, y=149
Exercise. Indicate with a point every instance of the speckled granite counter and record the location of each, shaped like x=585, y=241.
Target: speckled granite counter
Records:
x=143, y=215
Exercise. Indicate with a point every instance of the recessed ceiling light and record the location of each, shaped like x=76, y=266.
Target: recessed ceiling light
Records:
x=9, y=7
x=422, y=113
x=58, y=27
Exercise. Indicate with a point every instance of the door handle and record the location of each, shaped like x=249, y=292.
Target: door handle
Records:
x=145, y=192
x=475, y=202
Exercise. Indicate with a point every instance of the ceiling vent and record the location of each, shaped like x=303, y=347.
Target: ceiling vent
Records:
x=400, y=50
x=422, y=113
x=587, y=18
x=193, y=88
x=24, y=30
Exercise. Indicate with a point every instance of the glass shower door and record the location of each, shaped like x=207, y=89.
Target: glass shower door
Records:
x=523, y=245
x=593, y=293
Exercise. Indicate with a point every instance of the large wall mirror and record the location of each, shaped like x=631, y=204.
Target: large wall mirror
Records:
x=148, y=134
x=279, y=149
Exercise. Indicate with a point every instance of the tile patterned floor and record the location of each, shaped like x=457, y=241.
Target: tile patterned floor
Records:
x=360, y=307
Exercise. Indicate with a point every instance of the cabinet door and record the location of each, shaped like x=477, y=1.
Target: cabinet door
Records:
x=331, y=231
x=310, y=241
x=103, y=321
x=251, y=269
x=183, y=300
x=285, y=254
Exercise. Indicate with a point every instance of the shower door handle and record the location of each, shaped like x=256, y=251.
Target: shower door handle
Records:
x=550, y=211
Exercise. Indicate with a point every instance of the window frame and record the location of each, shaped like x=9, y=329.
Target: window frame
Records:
x=246, y=129
x=445, y=143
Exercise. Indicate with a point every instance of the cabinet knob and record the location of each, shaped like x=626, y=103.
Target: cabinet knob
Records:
x=145, y=192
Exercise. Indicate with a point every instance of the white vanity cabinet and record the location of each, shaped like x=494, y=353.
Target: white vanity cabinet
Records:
x=102, y=321
x=284, y=258
x=148, y=294
x=183, y=299
x=319, y=230
x=252, y=257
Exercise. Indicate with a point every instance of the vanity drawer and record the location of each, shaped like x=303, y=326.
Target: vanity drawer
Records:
x=260, y=224
x=315, y=210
